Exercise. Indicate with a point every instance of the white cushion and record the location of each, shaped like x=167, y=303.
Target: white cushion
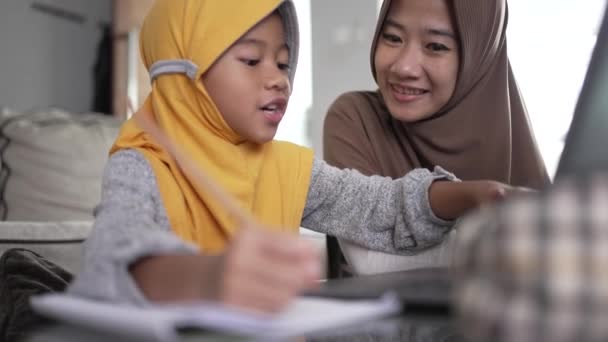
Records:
x=318, y=241
x=365, y=261
x=52, y=164
x=60, y=242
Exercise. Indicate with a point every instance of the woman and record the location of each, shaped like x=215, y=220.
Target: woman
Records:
x=447, y=96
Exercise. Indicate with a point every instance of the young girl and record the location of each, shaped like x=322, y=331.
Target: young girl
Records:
x=446, y=96
x=221, y=80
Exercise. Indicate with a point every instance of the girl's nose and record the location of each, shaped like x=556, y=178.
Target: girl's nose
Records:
x=278, y=81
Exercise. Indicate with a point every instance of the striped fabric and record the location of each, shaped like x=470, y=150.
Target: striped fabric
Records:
x=536, y=269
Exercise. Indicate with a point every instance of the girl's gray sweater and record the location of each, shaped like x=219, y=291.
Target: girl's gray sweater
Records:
x=379, y=213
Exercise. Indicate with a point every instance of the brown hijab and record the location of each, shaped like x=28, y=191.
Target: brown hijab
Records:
x=483, y=132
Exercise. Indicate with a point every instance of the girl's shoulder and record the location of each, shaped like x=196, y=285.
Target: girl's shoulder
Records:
x=127, y=158
x=128, y=164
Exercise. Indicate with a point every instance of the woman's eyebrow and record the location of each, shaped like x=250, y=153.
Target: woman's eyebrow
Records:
x=434, y=31
x=393, y=23
x=441, y=32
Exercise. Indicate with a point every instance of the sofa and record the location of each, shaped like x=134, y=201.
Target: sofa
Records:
x=51, y=165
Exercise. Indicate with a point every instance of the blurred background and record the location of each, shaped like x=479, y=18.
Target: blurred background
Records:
x=82, y=56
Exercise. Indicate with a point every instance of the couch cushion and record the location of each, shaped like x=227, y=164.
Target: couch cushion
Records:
x=366, y=261
x=52, y=164
x=59, y=242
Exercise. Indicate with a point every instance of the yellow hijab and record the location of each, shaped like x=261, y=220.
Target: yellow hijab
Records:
x=270, y=180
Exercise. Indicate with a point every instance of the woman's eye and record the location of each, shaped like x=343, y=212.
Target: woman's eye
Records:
x=250, y=62
x=391, y=38
x=283, y=66
x=437, y=47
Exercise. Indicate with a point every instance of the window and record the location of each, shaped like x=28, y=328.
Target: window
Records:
x=550, y=44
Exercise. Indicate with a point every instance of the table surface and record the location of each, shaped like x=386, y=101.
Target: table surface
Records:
x=411, y=326
x=407, y=328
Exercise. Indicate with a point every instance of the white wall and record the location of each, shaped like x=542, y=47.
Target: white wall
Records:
x=342, y=32
x=47, y=61
x=550, y=44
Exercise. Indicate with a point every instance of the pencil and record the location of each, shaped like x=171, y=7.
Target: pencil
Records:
x=200, y=178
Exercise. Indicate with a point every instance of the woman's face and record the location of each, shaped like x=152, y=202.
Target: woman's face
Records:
x=417, y=58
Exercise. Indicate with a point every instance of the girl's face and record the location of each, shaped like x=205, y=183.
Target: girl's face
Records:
x=249, y=83
x=417, y=58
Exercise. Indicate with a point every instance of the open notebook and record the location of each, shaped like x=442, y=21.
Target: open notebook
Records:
x=304, y=316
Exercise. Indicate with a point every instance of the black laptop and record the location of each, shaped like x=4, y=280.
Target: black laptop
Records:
x=423, y=289
x=586, y=147
x=585, y=151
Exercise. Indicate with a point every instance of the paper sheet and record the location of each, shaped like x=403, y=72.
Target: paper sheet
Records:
x=160, y=323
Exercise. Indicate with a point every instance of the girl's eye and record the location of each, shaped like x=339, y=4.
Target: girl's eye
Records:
x=283, y=66
x=250, y=62
x=437, y=47
x=391, y=38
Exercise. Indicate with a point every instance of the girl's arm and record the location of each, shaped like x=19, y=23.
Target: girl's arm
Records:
x=133, y=257
x=130, y=225
x=379, y=213
x=451, y=200
x=400, y=216
x=261, y=270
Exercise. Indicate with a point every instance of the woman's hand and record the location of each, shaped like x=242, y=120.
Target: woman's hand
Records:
x=450, y=200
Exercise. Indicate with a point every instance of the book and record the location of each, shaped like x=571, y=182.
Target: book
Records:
x=305, y=315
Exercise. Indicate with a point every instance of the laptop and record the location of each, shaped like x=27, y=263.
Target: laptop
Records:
x=430, y=289
x=588, y=134
x=421, y=290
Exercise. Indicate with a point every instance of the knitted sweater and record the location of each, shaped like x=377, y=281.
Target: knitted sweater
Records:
x=379, y=213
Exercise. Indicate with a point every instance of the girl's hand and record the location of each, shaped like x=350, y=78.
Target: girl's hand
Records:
x=483, y=192
x=450, y=200
x=259, y=271
x=263, y=270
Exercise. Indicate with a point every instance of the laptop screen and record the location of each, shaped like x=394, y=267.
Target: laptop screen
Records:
x=586, y=147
